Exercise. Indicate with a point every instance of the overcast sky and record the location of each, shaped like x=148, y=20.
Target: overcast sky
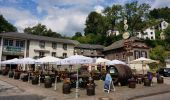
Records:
x=63, y=16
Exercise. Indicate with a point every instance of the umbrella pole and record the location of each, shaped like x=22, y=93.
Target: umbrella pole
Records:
x=142, y=68
x=55, y=86
x=77, y=84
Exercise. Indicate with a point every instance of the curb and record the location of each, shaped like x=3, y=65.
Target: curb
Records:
x=147, y=95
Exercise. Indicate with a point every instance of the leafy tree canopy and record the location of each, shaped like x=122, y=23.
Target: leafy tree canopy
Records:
x=42, y=30
x=160, y=13
x=5, y=26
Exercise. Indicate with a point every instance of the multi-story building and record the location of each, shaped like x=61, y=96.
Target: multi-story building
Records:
x=148, y=33
x=125, y=50
x=19, y=45
x=162, y=25
x=112, y=32
x=90, y=50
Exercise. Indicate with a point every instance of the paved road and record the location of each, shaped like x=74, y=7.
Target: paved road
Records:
x=167, y=80
x=10, y=92
x=165, y=96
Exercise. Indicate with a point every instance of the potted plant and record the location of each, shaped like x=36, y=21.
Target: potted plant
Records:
x=11, y=74
x=66, y=86
x=35, y=79
x=47, y=82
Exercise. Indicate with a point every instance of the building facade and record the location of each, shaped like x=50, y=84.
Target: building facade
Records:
x=148, y=33
x=89, y=50
x=127, y=50
x=20, y=45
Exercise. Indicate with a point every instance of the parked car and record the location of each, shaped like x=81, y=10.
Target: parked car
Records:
x=164, y=72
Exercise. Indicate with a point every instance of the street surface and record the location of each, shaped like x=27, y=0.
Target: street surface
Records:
x=10, y=92
x=164, y=96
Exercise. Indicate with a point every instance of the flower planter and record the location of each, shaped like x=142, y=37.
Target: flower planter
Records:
x=132, y=83
x=24, y=78
x=17, y=75
x=90, y=89
x=4, y=72
x=0, y=72
x=160, y=80
x=147, y=82
x=35, y=80
x=47, y=82
x=66, y=88
x=11, y=74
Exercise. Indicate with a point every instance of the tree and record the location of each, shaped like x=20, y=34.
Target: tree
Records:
x=5, y=26
x=95, y=23
x=112, y=14
x=77, y=35
x=136, y=15
x=167, y=38
x=161, y=13
x=42, y=30
x=158, y=53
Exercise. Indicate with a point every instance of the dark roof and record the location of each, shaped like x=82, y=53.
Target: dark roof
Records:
x=37, y=37
x=90, y=46
x=119, y=44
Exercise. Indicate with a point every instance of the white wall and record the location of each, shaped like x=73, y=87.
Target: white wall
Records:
x=34, y=45
x=164, y=25
x=150, y=34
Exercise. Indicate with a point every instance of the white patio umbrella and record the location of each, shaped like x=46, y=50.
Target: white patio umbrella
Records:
x=11, y=61
x=77, y=60
x=101, y=60
x=143, y=61
x=26, y=61
x=47, y=59
x=114, y=62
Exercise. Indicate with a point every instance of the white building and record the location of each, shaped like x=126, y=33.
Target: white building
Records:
x=148, y=33
x=19, y=45
x=162, y=25
x=112, y=32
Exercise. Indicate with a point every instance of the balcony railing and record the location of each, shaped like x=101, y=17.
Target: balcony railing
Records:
x=13, y=49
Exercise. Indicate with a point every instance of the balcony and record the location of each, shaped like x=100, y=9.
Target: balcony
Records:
x=12, y=50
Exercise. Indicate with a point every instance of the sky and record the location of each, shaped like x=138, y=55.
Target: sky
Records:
x=62, y=16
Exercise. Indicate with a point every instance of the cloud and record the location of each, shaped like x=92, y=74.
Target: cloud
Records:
x=63, y=16
x=99, y=8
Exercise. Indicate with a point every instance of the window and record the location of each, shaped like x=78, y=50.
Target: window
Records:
x=53, y=54
x=19, y=43
x=151, y=33
x=117, y=56
x=54, y=45
x=137, y=54
x=64, y=55
x=42, y=44
x=151, y=37
x=8, y=42
x=65, y=46
x=144, y=54
x=82, y=51
x=41, y=54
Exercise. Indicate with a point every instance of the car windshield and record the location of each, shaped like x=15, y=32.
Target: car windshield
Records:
x=167, y=69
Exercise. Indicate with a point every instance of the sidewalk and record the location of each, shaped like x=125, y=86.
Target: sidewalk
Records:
x=122, y=93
